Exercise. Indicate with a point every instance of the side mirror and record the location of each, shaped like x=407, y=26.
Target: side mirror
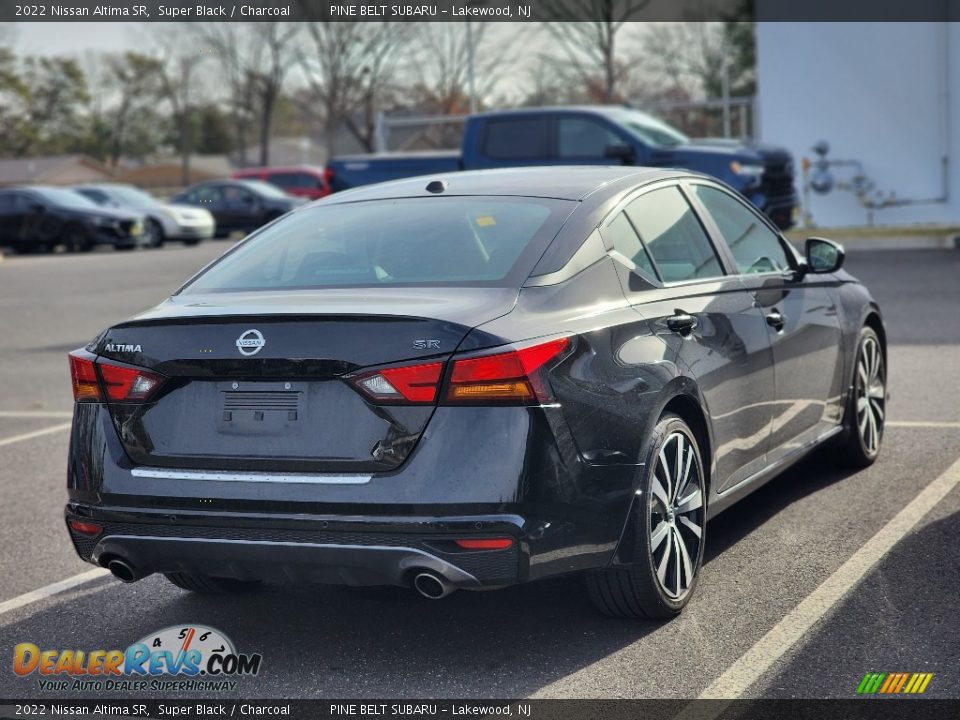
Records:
x=823, y=256
x=621, y=152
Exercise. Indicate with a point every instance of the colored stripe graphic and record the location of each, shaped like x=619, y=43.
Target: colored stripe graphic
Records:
x=894, y=683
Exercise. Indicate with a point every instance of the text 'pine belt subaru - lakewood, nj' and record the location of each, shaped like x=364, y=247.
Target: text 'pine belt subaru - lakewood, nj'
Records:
x=473, y=381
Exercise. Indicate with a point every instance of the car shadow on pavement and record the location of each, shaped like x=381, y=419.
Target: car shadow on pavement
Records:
x=812, y=474
x=901, y=618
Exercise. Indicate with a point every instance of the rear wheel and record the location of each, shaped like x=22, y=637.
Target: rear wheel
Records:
x=155, y=235
x=867, y=406
x=206, y=585
x=669, y=535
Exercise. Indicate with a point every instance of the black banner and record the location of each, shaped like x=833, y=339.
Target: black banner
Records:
x=613, y=11
x=854, y=709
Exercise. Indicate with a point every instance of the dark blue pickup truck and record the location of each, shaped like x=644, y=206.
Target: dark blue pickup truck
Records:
x=593, y=135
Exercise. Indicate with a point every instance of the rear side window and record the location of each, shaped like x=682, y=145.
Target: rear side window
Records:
x=755, y=247
x=673, y=235
x=295, y=180
x=584, y=138
x=416, y=241
x=517, y=138
x=626, y=242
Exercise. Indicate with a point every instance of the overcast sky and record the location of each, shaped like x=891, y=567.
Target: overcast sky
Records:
x=56, y=38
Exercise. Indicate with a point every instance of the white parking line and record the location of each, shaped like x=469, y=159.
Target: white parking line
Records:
x=34, y=434
x=745, y=671
x=17, y=414
x=51, y=590
x=922, y=424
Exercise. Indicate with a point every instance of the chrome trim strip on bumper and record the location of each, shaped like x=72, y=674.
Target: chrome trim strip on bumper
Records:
x=261, y=477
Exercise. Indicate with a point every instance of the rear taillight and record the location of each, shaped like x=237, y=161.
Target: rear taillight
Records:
x=85, y=528
x=515, y=377
x=121, y=383
x=405, y=385
x=512, y=377
x=84, y=377
x=328, y=177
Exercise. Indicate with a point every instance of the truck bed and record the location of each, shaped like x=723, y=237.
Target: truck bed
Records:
x=354, y=170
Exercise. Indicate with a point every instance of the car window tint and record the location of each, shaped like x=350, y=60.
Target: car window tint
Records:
x=516, y=138
x=207, y=195
x=755, y=247
x=584, y=138
x=626, y=242
x=6, y=202
x=673, y=235
x=453, y=241
x=293, y=180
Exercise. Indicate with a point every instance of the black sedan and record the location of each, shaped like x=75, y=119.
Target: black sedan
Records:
x=39, y=218
x=238, y=205
x=470, y=383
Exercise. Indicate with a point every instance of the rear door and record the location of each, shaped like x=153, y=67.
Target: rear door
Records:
x=678, y=280
x=801, y=319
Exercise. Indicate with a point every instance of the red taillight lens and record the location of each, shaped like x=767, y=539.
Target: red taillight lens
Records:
x=484, y=543
x=410, y=384
x=328, y=176
x=85, y=528
x=510, y=377
x=123, y=384
x=84, y=377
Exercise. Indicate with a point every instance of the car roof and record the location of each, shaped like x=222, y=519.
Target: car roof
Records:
x=564, y=182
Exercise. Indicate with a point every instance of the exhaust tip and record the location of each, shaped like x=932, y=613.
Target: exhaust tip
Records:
x=122, y=571
x=432, y=586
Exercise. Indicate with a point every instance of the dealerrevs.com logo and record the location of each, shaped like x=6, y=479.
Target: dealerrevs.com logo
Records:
x=177, y=658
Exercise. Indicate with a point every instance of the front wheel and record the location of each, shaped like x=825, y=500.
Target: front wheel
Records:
x=867, y=406
x=669, y=534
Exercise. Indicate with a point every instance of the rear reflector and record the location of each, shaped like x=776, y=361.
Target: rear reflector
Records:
x=122, y=384
x=85, y=528
x=484, y=543
x=510, y=377
x=410, y=384
x=84, y=377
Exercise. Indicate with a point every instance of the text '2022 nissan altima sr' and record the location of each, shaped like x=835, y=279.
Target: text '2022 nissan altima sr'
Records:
x=473, y=382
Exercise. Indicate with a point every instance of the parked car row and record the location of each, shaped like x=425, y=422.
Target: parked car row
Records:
x=42, y=218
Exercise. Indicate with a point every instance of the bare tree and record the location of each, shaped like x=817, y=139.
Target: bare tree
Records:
x=689, y=55
x=134, y=78
x=590, y=48
x=179, y=64
x=349, y=67
x=256, y=59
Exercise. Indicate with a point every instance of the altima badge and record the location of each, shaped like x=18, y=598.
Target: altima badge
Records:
x=251, y=342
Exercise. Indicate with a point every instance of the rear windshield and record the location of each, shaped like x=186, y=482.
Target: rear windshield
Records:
x=467, y=241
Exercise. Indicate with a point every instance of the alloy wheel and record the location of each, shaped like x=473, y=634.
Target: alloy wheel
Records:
x=871, y=395
x=676, y=515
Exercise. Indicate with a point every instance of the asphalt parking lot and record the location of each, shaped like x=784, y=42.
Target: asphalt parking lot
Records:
x=766, y=557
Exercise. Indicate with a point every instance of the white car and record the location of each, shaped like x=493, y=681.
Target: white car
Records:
x=165, y=222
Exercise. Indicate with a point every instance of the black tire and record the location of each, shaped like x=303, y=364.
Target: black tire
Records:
x=865, y=414
x=76, y=239
x=206, y=585
x=659, y=586
x=157, y=236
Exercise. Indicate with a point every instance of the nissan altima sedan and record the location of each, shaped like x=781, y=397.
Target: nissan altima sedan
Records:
x=469, y=383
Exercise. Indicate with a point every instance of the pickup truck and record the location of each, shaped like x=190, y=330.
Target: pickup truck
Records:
x=592, y=135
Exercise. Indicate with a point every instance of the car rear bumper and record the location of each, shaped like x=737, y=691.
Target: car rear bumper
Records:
x=371, y=551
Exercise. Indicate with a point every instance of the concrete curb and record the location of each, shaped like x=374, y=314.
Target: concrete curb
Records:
x=942, y=237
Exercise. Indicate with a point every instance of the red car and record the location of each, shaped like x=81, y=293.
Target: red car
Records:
x=302, y=181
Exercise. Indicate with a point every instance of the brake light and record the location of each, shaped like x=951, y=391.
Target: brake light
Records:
x=410, y=384
x=484, y=543
x=84, y=378
x=128, y=384
x=122, y=384
x=328, y=175
x=510, y=377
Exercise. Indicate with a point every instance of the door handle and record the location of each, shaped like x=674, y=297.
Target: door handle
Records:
x=776, y=320
x=682, y=322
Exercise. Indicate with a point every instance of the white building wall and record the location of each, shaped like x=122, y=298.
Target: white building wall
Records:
x=876, y=92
